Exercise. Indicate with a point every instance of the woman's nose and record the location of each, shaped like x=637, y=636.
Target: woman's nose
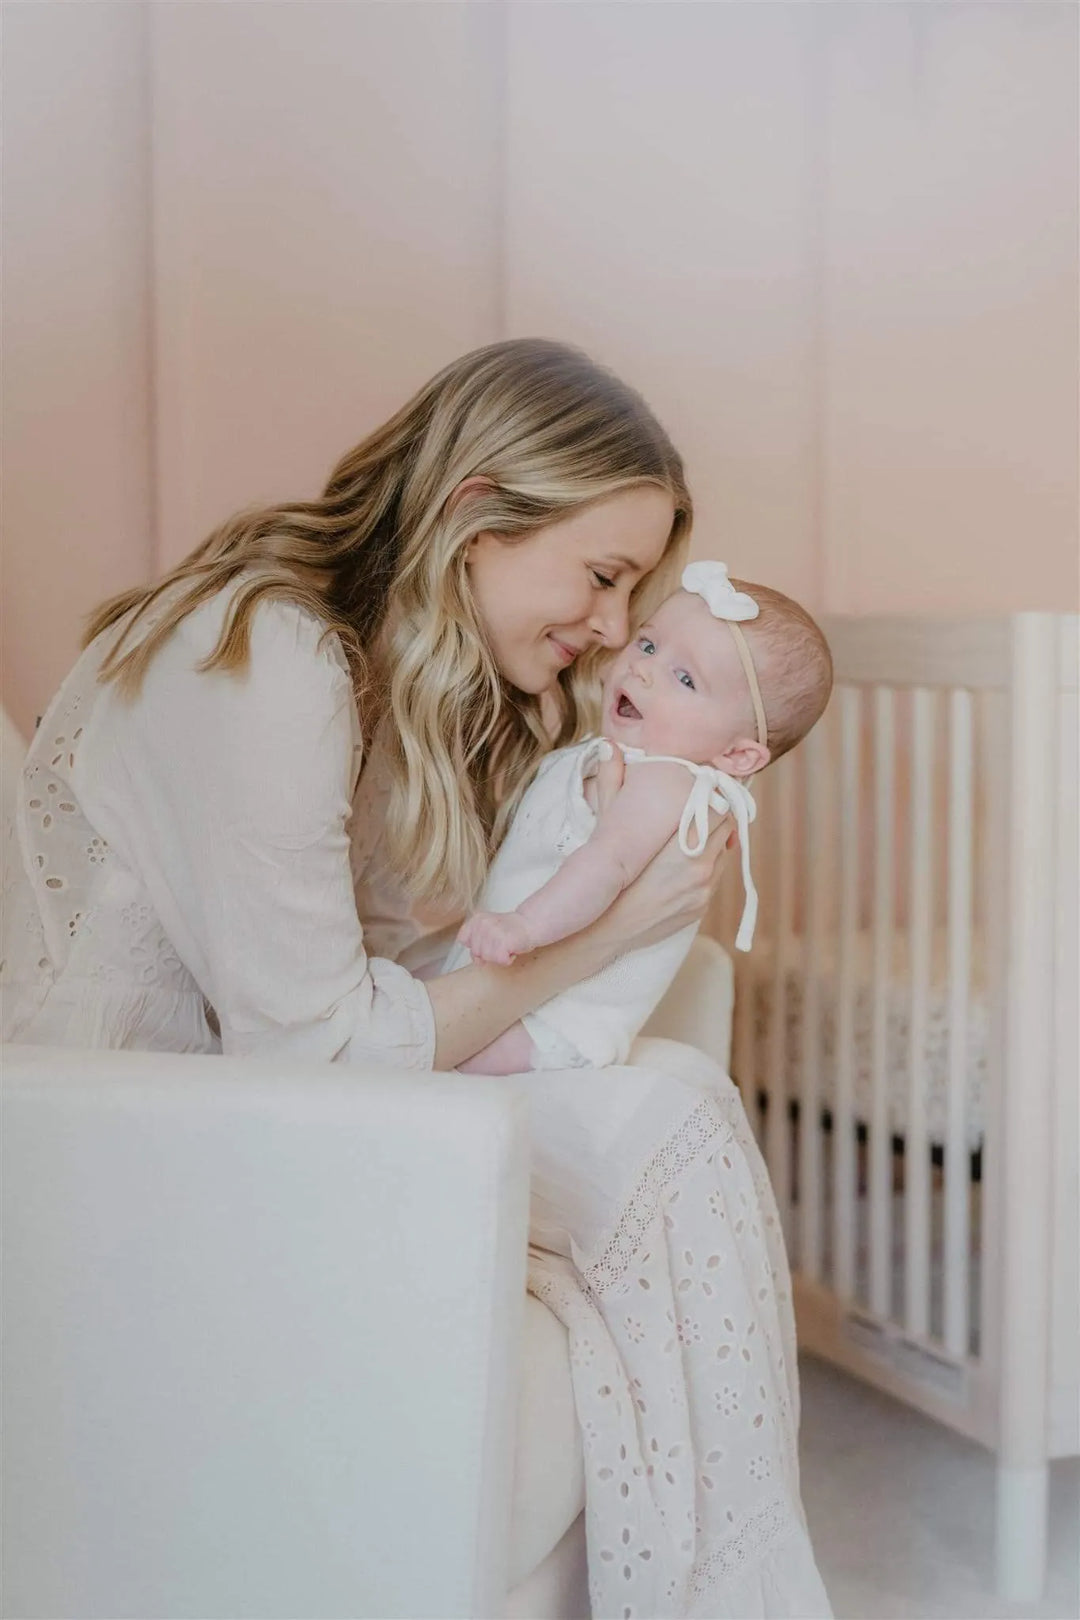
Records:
x=611, y=622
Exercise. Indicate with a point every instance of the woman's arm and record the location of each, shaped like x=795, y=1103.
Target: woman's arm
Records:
x=478, y=1002
x=230, y=796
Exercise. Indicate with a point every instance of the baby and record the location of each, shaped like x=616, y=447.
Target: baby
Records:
x=724, y=678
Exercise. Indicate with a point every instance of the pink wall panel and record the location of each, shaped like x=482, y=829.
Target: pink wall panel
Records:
x=949, y=406
x=837, y=247
x=76, y=444
x=660, y=211
x=834, y=246
x=325, y=234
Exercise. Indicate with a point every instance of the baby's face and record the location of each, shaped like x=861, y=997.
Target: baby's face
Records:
x=679, y=687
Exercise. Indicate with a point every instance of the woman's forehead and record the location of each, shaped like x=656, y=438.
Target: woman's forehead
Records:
x=633, y=526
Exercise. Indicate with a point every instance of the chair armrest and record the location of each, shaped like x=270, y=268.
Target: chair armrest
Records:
x=698, y=1006
x=262, y=1337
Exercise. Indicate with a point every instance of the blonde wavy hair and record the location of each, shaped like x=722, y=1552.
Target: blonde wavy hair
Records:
x=380, y=559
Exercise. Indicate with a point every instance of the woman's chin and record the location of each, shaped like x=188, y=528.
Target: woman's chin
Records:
x=531, y=682
x=543, y=674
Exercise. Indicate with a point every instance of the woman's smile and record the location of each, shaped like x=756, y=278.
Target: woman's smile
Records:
x=566, y=652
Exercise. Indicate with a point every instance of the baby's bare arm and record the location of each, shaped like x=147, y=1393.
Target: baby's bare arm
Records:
x=639, y=821
x=473, y=1004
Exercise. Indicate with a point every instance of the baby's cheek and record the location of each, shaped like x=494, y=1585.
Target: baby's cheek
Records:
x=711, y=734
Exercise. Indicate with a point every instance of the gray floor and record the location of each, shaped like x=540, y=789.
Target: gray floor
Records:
x=901, y=1511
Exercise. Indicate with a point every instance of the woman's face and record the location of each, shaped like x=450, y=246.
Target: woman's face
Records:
x=547, y=597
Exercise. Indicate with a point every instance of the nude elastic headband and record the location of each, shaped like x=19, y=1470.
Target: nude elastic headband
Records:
x=710, y=581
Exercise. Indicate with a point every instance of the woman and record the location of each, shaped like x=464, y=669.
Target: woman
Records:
x=321, y=722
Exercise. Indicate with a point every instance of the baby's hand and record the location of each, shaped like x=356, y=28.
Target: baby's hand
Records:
x=496, y=936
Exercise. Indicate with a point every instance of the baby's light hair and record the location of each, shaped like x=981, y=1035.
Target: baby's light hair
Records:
x=793, y=663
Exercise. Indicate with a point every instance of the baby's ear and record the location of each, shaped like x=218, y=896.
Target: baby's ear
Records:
x=745, y=757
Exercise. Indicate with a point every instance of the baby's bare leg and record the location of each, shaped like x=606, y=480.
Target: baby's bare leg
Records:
x=512, y=1052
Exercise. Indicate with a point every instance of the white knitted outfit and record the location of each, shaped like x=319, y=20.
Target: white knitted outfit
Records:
x=595, y=1022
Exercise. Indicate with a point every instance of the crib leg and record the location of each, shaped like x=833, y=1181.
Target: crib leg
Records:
x=1026, y=1108
x=1022, y=1503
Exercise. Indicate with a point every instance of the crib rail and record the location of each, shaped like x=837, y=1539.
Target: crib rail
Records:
x=899, y=1026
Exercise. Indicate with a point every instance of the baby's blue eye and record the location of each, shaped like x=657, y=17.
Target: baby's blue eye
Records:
x=646, y=645
x=687, y=680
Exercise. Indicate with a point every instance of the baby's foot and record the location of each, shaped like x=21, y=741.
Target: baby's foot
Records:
x=496, y=937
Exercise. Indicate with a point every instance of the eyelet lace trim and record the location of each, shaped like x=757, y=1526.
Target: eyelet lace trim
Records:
x=677, y=1154
x=747, y=1544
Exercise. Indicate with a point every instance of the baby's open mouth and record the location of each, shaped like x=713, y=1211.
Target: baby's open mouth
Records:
x=625, y=709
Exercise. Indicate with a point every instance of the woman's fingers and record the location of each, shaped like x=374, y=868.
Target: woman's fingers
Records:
x=689, y=877
x=673, y=891
x=609, y=779
x=713, y=858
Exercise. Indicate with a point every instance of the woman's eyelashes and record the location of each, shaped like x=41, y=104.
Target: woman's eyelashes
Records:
x=602, y=580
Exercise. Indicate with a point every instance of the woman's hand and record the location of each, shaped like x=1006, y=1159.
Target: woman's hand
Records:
x=609, y=779
x=674, y=891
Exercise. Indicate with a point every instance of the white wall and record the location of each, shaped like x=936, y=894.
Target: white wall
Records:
x=834, y=245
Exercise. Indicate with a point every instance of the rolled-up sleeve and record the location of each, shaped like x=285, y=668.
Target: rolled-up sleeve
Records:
x=230, y=796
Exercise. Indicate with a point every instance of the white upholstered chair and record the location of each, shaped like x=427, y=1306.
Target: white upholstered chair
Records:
x=267, y=1348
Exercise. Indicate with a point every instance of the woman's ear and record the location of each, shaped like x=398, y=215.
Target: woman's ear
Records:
x=744, y=758
x=467, y=487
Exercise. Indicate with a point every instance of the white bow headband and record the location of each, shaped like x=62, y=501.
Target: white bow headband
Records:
x=710, y=581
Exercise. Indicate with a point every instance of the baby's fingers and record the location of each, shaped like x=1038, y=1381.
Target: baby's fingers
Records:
x=472, y=936
x=489, y=942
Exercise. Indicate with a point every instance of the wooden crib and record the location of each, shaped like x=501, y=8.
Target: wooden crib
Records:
x=906, y=1033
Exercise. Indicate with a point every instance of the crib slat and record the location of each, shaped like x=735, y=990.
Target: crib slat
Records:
x=810, y=1140
x=726, y=916
x=750, y=1040
x=961, y=823
x=880, y=1192
x=843, y=1191
x=994, y=746
x=742, y=1040
x=777, y=1124
x=916, y=1156
x=1027, y=1109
